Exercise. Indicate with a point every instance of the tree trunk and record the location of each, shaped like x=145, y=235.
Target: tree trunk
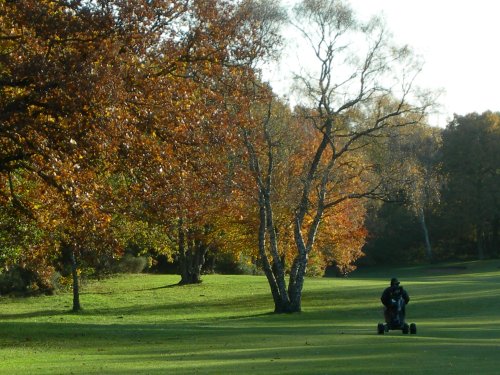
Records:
x=183, y=267
x=480, y=242
x=192, y=254
x=273, y=271
x=291, y=300
x=296, y=284
x=428, y=248
x=76, y=287
x=495, y=237
x=272, y=263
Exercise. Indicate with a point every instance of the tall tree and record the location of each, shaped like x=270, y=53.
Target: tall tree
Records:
x=351, y=103
x=67, y=77
x=178, y=159
x=471, y=149
x=416, y=155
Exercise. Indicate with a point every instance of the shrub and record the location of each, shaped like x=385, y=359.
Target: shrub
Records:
x=246, y=266
x=132, y=264
x=232, y=264
x=22, y=281
x=61, y=282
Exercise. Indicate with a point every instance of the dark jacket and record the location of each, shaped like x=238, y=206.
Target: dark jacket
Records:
x=394, y=293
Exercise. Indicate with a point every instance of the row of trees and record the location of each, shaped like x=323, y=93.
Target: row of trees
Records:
x=144, y=126
x=112, y=112
x=455, y=214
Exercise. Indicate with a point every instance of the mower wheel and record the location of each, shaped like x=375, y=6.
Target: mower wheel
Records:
x=413, y=329
x=380, y=329
x=406, y=329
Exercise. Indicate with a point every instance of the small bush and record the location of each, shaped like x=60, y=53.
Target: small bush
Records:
x=246, y=266
x=22, y=281
x=229, y=264
x=132, y=264
x=12, y=281
x=61, y=282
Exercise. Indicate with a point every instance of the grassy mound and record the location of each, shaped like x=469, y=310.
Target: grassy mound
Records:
x=145, y=324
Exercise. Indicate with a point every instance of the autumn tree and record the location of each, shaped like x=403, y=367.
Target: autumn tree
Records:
x=178, y=158
x=67, y=80
x=351, y=102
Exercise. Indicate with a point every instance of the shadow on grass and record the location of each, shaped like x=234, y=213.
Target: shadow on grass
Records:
x=255, y=332
x=133, y=290
x=233, y=308
x=328, y=304
x=35, y=314
x=188, y=347
x=170, y=286
x=257, y=347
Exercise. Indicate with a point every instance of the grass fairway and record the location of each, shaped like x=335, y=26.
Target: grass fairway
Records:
x=142, y=324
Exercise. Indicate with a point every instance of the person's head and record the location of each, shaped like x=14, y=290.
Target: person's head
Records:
x=394, y=282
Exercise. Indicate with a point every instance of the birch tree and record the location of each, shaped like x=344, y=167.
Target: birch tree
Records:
x=359, y=91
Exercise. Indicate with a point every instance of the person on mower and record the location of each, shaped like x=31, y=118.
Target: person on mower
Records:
x=390, y=298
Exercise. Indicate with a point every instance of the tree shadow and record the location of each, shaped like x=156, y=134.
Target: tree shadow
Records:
x=158, y=288
x=35, y=314
x=160, y=308
x=132, y=290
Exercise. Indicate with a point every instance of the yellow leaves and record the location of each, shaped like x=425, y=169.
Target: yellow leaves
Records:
x=342, y=234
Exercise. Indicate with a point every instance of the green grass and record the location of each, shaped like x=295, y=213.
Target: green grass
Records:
x=143, y=324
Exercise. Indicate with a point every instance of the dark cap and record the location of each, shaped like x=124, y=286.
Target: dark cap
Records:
x=394, y=281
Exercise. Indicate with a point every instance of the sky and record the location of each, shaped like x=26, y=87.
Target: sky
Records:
x=459, y=42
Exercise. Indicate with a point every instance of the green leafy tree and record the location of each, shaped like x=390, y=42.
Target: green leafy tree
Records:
x=415, y=155
x=471, y=162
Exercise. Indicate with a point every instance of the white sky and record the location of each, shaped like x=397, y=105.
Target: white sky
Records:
x=459, y=41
